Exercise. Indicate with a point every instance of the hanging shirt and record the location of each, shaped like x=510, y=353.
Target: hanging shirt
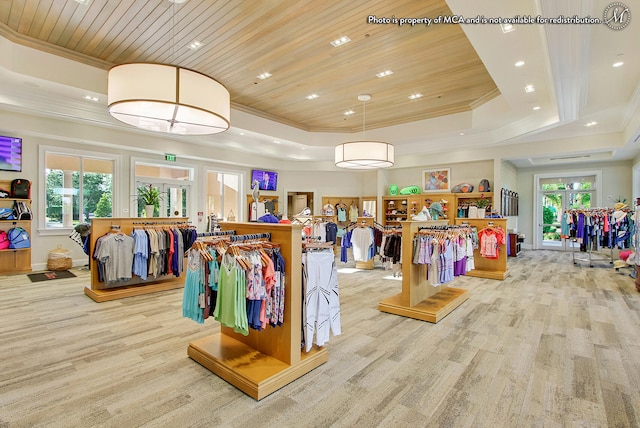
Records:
x=361, y=240
x=353, y=213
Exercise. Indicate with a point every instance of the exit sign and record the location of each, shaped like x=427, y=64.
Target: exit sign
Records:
x=170, y=157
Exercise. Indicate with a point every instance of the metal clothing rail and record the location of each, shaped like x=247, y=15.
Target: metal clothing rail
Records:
x=221, y=233
x=590, y=258
x=156, y=223
x=249, y=236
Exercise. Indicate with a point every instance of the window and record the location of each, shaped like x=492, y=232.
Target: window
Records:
x=76, y=188
x=223, y=194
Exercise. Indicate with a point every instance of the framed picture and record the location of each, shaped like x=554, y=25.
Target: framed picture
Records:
x=436, y=180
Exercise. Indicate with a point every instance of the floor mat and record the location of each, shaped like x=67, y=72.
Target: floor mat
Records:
x=46, y=276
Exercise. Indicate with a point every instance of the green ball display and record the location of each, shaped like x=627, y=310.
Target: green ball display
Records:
x=393, y=190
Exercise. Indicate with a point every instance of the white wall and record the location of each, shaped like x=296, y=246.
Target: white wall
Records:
x=616, y=181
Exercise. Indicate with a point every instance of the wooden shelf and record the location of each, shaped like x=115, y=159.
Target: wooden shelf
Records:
x=108, y=294
x=251, y=371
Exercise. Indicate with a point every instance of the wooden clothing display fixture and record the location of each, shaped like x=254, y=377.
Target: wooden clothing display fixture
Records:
x=136, y=286
x=484, y=267
x=264, y=361
x=419, y=299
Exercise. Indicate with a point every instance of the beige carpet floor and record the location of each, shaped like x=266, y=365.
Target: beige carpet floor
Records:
x=553, y=345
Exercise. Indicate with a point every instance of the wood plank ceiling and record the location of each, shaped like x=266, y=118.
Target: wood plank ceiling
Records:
x=289, y=39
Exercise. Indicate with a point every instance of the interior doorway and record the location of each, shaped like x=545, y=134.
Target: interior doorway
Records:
x=297, y=201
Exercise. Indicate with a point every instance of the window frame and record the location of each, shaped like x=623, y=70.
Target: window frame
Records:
x=191, y=183
x=82, y=154
x=241, y=193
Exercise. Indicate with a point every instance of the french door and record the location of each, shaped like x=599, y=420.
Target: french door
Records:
x=173, y=201
x=557, y=195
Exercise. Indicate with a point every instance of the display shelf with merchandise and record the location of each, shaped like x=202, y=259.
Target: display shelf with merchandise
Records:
x=14, y=261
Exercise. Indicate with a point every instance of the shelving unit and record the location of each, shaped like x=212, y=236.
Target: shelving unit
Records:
x=470, y=199
x=394, y=210
x=515, y=246
x=419, y=299
x=99, y=291
x=484, y=267
x=14, y=261
x=409, y=205
x=262, y=198
x=264, y=361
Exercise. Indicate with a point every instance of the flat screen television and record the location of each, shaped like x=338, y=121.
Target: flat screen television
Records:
x=267, y=180
x=10, y=154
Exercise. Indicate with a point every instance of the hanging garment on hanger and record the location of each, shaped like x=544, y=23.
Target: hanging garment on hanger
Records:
x=361, y=241
x=321, y=310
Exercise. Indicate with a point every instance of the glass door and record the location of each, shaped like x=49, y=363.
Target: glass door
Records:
x=172, y=201
x=176, y=201
x=552, y=207
x=557, y=195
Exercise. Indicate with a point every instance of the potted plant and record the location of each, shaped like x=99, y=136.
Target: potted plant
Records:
x=150, y=196
x=482, y=205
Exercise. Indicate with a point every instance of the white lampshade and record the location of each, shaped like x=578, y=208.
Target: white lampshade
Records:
x=166, y=98
x=364, y=155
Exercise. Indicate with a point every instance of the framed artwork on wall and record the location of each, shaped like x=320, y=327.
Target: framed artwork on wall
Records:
x=436, y=180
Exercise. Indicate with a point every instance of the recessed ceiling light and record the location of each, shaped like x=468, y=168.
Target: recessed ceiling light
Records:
x=90, y=98
x=264, y=75
x=462, y=133
x=519, y=64
x=195, y=45
x=385, y=73
x=84, y=2
x=174, y=1
x=276, y=142
x=507, y=28
x=341, y=41
x=349, y=112
x=592, y=123
x=415, y=96
x=303, y=148
x=312, y=96
x=242, y=133
x=529, y=88
x=536, y=108
x=618, y=64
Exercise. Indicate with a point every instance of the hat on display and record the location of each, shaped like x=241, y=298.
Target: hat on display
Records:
x=306, y=211
x=620, y=206
x=436, y=207
x=619, y=215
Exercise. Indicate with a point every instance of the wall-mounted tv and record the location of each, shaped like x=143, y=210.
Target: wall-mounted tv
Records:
x=10, y=154
x=267, y=180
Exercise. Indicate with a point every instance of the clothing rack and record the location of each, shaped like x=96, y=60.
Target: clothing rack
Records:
x=265, y=361
x=419, y=299
x=575, y=244
x=136, y=286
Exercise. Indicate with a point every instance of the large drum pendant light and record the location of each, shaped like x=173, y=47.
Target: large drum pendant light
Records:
x=364, y=154
x=167, y=98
